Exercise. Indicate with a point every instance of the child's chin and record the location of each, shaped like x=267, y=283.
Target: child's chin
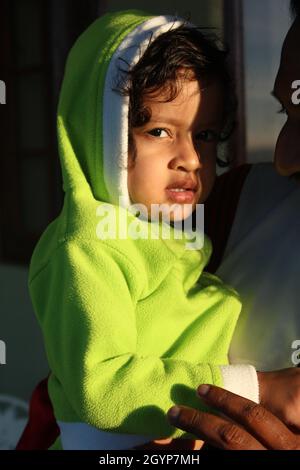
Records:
x=181, y=214
x=171, y=213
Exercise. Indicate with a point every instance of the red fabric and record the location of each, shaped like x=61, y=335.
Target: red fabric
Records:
x=41, y=430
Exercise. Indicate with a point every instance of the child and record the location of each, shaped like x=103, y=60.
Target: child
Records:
x=132, y=325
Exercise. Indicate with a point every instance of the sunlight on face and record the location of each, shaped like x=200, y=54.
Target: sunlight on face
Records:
x=175, y=157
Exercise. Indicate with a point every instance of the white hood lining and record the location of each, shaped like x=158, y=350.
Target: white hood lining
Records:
x=115, y=106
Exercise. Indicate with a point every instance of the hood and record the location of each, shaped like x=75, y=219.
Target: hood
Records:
x=93, y=147
x=92, y=118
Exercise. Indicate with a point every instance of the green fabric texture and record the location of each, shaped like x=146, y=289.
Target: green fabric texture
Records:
x=80, y=105
x=131, y=327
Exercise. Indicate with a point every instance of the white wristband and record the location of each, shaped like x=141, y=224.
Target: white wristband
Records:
x=242, y=380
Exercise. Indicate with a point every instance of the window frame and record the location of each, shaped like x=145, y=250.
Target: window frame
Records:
x=234, y=37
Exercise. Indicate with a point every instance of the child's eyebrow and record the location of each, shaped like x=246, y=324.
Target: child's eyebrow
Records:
x=167, y=120
x=178, y=122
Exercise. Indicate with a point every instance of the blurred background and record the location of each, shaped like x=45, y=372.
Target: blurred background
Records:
x=36, y=36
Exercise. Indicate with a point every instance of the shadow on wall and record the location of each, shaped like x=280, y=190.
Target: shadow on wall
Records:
x=25, y=361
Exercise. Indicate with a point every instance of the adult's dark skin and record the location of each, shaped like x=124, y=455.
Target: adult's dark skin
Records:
x=251, y=426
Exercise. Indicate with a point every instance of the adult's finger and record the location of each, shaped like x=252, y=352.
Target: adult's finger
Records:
x=216, y=430
x=257, y=420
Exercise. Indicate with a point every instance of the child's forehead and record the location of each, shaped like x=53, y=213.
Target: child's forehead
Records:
x=192, y=98
x=184, y=88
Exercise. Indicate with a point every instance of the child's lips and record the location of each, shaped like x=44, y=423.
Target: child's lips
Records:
x=189, y=184
x=183, y=190
x=181, y=197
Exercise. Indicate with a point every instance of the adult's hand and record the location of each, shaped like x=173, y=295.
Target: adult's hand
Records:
x=249, y=426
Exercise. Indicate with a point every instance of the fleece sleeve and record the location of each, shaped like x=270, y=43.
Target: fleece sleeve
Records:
x=85, y=301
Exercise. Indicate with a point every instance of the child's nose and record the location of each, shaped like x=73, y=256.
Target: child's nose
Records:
x=187, y=156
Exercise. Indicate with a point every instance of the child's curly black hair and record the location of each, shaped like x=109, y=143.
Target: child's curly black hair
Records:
x=189, y=49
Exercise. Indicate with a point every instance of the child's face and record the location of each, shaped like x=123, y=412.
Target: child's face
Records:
x=177, y=149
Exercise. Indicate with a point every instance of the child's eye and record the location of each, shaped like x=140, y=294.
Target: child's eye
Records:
x=158, y=132
x=208, y=136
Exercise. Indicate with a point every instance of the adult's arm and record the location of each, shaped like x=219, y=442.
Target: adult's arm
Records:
x=245, y=426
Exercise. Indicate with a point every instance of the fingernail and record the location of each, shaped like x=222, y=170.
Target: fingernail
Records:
x=173, y=413
x=203, y=390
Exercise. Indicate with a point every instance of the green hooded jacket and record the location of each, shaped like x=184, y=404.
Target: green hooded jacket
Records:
x=131, y=326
